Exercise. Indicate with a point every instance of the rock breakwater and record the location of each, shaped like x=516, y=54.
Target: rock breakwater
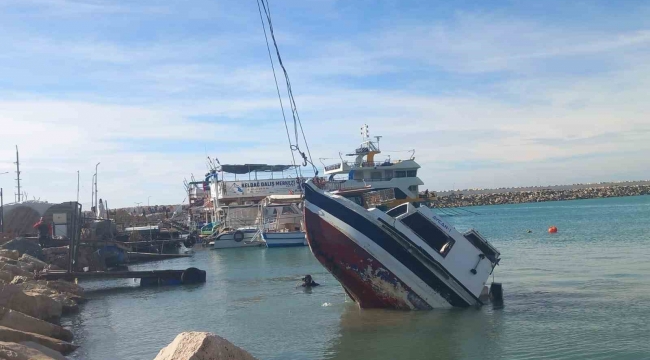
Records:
x=516, y=197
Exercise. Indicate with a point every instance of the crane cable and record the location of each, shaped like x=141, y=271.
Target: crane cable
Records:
x=294, y=110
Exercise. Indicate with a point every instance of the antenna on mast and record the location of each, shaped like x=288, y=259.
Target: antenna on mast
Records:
x=365, y=134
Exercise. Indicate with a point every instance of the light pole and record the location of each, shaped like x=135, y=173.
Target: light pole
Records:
x=96, y=203
x=148, y=224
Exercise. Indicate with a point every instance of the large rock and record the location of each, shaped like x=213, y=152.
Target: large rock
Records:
x=32, y=304
x=14, y=351
x=24, y=246
x=20, y=279
x=65, y=287
x=6, y=260
x=37, y=264
x=17, y=336
x=19, y=321
x=202, y=346
x=69, y=302
x=57, y=256
x=11, y=254
x=16, y=270
x=6, y=276
x=55, y=355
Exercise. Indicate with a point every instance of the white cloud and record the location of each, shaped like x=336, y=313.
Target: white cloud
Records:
x=534, y=124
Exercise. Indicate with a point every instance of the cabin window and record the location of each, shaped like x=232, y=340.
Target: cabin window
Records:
x=357, y=199
x=358, y=175
x=411, y=173
x=400, y=173
x=429, y=232
x=388, y=174
x=414, y=189
x=375, y=175
x=398, y=210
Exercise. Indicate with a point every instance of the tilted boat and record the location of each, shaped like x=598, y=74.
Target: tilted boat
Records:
x=405, y=257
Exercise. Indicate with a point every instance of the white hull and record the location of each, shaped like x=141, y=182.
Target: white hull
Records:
x=285, y=239
x=227, y=241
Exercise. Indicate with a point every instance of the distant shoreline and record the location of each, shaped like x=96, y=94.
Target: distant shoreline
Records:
x=478, y=197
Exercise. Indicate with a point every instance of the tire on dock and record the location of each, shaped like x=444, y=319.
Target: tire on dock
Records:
x=193, y=276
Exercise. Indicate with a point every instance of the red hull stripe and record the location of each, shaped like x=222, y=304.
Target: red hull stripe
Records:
x=364, y=278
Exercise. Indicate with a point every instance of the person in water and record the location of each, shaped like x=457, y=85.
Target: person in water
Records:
x=307, y=281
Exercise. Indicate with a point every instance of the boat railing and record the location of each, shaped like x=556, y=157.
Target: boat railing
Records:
x=333, y=167
x=367, y=164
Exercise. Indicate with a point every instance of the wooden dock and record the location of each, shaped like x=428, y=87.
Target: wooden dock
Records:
x=134, y=257
x=147, y=278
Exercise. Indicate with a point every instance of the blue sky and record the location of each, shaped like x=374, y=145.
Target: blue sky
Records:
x=489, y=93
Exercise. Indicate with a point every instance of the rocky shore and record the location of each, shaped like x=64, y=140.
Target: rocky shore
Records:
x=30, y=308
x=460, y=200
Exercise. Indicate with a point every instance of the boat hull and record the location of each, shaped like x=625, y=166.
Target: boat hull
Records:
x=375, y=270
x=284, y=239
x=227, y=241
x=364, y=278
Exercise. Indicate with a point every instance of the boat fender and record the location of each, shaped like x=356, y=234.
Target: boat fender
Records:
x=193, y=276
x=496, y=294
x=238, y=236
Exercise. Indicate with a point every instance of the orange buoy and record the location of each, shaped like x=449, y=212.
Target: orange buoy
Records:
x=552, y=230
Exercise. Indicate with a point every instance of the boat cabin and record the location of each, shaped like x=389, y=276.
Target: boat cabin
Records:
x=402, y=175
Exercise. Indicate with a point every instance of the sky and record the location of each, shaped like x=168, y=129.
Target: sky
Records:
x=488, y=93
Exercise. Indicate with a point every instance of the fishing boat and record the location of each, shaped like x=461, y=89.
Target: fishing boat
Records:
x=282, y=225
x=237, y=193
x=389, y=252
x=243, y=237
x=368, y=171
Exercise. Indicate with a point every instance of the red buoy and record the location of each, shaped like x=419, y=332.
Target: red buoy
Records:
x=552, y=230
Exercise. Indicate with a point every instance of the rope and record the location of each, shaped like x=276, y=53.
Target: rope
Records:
x=277, y=87
x=294, y=109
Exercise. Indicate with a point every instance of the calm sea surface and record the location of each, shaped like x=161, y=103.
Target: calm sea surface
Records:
x=583, y=293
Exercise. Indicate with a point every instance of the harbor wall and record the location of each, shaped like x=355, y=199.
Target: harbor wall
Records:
x=462, y=198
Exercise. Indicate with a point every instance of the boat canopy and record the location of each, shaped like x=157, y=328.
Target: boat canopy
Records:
x=248, y=168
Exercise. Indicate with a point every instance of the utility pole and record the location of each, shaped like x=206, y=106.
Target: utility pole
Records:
x=149, y=225
x=92, y=193
x=96, y=203
x=77, y=185
x=18, y=194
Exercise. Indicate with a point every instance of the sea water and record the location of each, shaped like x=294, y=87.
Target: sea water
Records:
x=583, y=293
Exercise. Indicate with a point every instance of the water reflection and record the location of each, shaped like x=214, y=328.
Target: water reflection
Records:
x=443, y=334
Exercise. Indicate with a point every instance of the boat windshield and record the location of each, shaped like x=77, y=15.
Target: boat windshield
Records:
x=429, y=232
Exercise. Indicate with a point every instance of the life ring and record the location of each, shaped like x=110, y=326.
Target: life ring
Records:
x=238, y=236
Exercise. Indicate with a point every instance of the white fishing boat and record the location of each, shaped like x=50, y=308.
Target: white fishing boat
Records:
x=245, y=237
x=238, y=193
x=367, y=171
x=389, y=252
x=283, y=221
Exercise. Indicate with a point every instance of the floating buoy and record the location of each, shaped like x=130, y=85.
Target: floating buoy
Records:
x=552, y=230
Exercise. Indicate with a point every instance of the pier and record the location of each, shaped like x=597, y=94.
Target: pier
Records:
x=147, y=278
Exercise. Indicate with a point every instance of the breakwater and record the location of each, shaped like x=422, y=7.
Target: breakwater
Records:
x=498, y=197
